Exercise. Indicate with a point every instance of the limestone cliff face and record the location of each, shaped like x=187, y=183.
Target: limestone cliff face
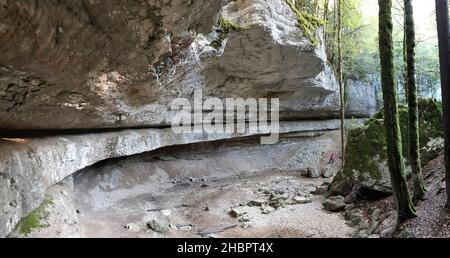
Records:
x=90, y=64
x=364, y=98
x=114, y=64
x=119, y=63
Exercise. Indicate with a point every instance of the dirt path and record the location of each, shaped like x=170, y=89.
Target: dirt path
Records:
x=432, y=221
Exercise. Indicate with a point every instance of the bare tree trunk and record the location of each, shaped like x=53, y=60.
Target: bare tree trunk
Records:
x=341, y=79
x=333, y=36
x=413, y=105
x=405, y=61
x=325, y=26
x=444, y=54
x=325, y=10
x=405, y=207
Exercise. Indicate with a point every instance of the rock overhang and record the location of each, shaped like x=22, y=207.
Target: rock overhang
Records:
x=116, y=67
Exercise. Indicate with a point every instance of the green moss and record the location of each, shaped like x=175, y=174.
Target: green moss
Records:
x=430, y=127
x=366, y=146
x=229, y=26
x=366, y=149
x=35, y=219
x=226, y=27
x=307, y=23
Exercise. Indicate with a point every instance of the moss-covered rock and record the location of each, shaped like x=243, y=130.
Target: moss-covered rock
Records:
x=226, y=27
x=366, y=164
x=306, y=22
x=35, y=220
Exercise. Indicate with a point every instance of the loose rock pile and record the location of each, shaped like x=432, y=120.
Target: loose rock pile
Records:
x=275, y=196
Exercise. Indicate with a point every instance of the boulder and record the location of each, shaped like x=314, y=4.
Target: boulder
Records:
x=313, y=172
x=257, y=202
x=321, y=190
x=334, y=203
x=238, y=212
x=158, y=226
x=366, y=166
x=301, y=199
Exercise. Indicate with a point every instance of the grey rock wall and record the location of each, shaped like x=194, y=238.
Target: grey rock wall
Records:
x=116, y=64
x=28, y=167
x=364, y=98
x=96, y=64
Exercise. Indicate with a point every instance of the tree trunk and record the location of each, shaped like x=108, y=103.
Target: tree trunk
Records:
x=341, y=79
x=413, y=106
x=444, y=56
x=405, y=207
x=325, y=11
x=325, y=26
x=333, y=36
x=405, y=62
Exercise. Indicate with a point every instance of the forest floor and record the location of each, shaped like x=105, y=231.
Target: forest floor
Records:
x=433, y=221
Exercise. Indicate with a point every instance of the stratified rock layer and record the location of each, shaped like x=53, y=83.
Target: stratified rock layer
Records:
x=29, y=166
x=119, y=64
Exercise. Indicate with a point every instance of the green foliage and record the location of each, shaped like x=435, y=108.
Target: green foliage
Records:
x=361, y=54
x=35, y=219
x=427, y=69
x=352, y=41
x=228, y=26
x=352, y=25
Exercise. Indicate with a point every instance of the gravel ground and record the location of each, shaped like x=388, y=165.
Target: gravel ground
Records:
x=185, y=210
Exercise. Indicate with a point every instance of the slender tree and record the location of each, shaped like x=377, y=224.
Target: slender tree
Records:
x=326, y=21
x=444, y=56
x=405, y=62
x=326, y=4
x=413, y=106
x=341, y=78
x=405, y=207
x=332, y=51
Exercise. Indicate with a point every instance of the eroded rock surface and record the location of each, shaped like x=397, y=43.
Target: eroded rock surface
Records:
x=119, y=64
x=363, y=98
x=101, y=64
x=29, y=166
x=56, y=216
